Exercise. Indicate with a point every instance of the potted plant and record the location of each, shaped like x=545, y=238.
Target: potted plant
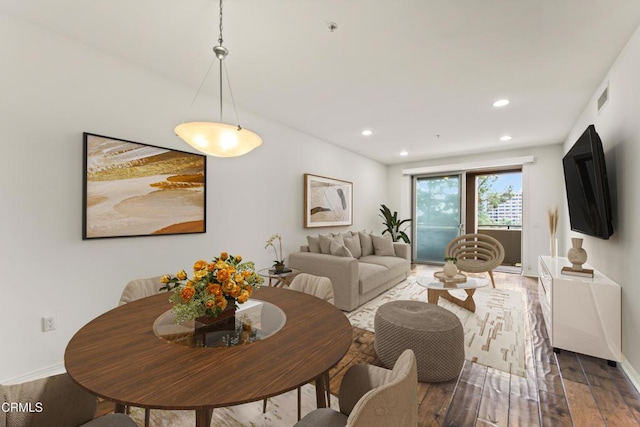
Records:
x=215, y=289
x=278, y=263
x=393, y=225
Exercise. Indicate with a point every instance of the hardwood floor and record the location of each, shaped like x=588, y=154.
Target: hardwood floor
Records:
x=565, y=389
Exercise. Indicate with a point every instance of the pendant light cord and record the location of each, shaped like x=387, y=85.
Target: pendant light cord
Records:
x=221, y=59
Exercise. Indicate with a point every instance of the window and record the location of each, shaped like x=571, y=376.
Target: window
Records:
x=499, y=197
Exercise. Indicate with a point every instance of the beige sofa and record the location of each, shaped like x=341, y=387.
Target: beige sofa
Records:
x=360, y=265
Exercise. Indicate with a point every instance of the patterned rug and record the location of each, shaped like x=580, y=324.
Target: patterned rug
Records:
x=281, y=411
x=494, y=334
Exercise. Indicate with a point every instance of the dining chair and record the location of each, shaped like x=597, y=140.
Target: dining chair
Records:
x=136, y=289
x=476, y=253
x=322, y=288
x=373, y=396
x=54, y=401
x=140, y=288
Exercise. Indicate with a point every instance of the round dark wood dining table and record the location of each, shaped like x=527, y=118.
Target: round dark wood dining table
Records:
x=118, y=357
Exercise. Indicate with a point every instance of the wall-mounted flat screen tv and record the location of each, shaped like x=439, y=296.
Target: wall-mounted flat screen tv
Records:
x=585, y=177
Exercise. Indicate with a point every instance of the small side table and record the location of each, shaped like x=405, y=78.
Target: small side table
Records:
x=279, y=279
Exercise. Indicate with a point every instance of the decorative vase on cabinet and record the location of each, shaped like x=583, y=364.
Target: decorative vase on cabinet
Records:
x=577, y=255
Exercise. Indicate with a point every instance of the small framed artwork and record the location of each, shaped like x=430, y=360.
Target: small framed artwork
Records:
x=328, y=202
x=133, y=189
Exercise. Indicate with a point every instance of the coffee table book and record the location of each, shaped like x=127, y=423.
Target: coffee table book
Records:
x=585, y=272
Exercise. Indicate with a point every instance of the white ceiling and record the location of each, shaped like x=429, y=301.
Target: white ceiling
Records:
x=409, y=70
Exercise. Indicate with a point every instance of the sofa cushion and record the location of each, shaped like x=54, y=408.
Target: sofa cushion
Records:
x=353, y=244
x=339, y=250
x=383, y=245
x=314, y=244
x=365, y=243
x=370, y=276
x=395, y=265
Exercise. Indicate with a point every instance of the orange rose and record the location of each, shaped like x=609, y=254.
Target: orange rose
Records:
x=211, y=266
x=246, y=274
x=181, y=275
x=199, y=265
x=239, y=278
x=235, y=292
x=210, y=303
x=214, y=289
x=243, y=297
x=165, y=279
x=190, y=284
x=228, y=286
x=223, y=275
x=221, y=302
x=238, y=258
x=219, y=265
x=187, y=293
x=224, y=255
x=249, y=290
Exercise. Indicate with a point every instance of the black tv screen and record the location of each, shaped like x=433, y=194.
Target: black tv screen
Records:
x=585, y=177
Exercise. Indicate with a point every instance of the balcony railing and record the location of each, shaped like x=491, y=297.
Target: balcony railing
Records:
x=501, y=226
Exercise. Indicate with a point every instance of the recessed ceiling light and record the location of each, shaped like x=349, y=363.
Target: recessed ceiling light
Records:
x=505, y=138
x=367, y=132
x=501, y=103
x=404, y=153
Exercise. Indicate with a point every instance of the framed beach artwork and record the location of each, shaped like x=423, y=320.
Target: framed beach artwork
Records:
x=328, y=202
x=134, y=189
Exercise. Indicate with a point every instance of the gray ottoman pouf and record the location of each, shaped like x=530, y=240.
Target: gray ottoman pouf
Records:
x=433, y=333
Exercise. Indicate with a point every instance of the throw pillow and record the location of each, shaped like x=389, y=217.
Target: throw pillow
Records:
x=325, y=242
x=339, y=250
x=383, y=245
x=353, y=244
x=365, y=243
x=314, y=244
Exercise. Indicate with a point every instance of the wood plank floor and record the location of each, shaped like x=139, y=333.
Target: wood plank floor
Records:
x=565, y=389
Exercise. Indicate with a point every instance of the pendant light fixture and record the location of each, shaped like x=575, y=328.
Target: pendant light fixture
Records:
x=219, y=139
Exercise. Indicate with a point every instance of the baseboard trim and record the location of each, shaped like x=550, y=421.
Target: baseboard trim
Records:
x=48, y=371
x=634, y=377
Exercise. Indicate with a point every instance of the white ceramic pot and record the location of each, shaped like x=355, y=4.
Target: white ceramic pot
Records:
x=577, y=255
x=450, y=269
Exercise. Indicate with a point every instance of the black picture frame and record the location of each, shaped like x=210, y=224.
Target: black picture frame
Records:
x=132, y=189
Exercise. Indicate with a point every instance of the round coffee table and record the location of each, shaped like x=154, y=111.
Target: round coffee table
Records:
x=437, y=289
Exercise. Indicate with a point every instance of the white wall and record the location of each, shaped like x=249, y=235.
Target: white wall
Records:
x=542, y=185
x=53, y=89
x=618, y=125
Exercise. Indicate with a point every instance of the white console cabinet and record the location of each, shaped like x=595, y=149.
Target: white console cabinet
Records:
x=582, y=314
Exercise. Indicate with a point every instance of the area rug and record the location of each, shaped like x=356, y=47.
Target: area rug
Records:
x=494, y=334
x=281, y=411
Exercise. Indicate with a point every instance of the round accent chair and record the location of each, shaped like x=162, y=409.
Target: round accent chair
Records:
x=476, y=253
x=433, y=333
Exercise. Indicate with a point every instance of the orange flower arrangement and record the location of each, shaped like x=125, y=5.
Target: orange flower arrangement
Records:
x=216, y=284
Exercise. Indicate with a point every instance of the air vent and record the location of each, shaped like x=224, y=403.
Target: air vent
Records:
x=603, y=98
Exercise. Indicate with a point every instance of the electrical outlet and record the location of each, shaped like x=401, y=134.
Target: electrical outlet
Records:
x=48, y=323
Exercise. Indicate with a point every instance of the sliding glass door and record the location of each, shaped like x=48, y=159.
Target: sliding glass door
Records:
x=438, y=213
